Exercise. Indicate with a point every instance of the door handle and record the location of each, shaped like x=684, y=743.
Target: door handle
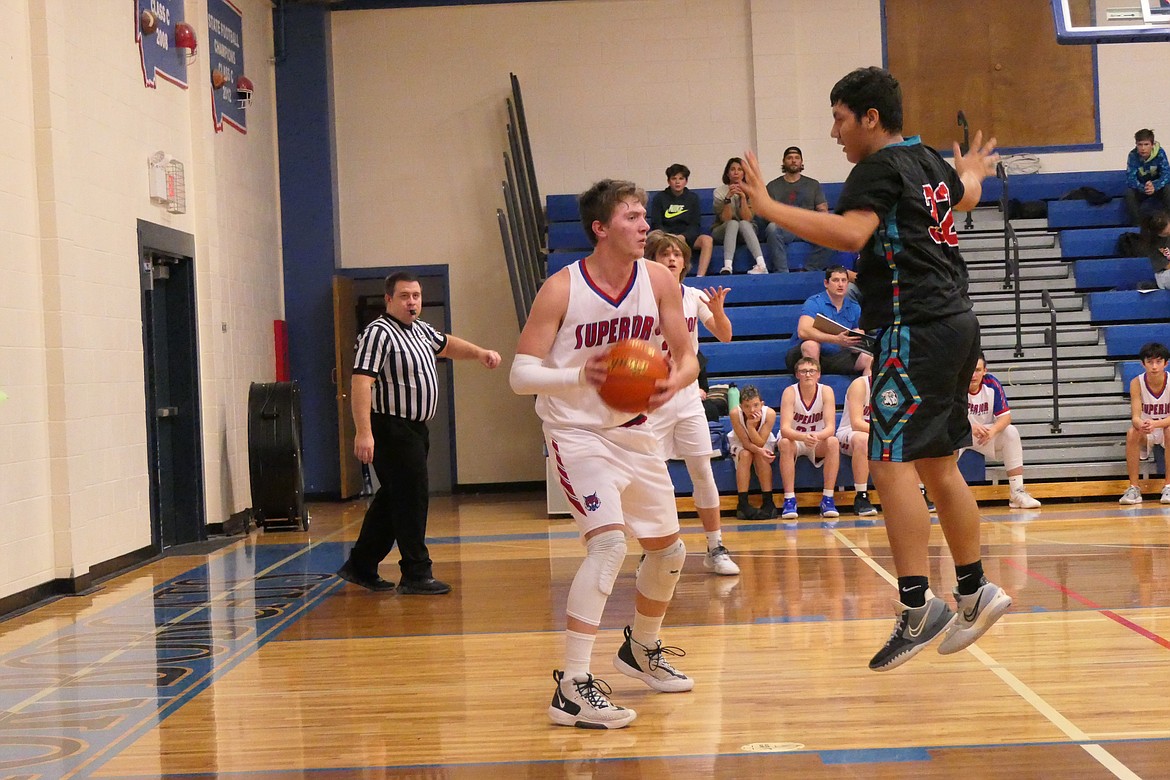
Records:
x=167, y=411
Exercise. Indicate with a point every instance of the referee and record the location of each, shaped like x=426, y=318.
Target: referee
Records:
x=394, y=393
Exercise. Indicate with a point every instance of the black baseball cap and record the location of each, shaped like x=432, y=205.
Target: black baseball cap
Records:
x=791, y=149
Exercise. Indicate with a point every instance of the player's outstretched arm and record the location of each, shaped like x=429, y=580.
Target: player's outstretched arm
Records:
x=848, y=232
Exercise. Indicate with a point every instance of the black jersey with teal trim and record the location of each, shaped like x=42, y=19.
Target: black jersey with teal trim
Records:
x=911, y=270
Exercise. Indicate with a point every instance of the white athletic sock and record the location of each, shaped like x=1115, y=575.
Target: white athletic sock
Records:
x=1016, y=482
x=860, y=488
x=827, y=493
x=789, y=495
x=714, y=539
x=578, y=649
x=645, y=629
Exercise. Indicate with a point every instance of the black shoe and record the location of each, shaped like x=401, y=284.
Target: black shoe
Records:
x=768, y=512
x=929, y=504
x=863, y=506
x=426, y=587
x=747, y=512
x=374, y=583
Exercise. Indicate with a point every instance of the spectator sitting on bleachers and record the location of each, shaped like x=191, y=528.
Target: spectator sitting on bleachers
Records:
x=751, y=442
x=833, y=352
x=1156, y=237
x=1147, y=176
x=734, y=217
x=676, y=210
x=853, y=435
x=992, y=432
x=801, y=191
x=1149, y=404
x=808, y=420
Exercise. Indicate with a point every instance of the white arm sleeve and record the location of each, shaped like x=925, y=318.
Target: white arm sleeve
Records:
x=530, y=377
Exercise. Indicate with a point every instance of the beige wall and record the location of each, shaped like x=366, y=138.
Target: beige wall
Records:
x=76, y=129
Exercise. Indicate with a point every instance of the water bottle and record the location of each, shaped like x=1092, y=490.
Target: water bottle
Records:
x=732, y=397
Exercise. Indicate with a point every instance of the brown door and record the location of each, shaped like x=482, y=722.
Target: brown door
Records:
x=344, y=339
x=996, y=60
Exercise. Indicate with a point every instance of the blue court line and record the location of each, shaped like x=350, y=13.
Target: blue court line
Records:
x=864, y=755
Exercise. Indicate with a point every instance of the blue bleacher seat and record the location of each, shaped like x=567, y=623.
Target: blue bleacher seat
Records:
x=1126, y=340
x=1079, y=213
x=792, y=287
x=1091, y=242
x=1107, y=273
x=742, y=357
x=1129, y=306
x=764, y=320
x=1051, y=186
x=561, y=208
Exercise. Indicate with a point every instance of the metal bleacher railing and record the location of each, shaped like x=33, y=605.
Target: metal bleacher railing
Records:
x=521, y=222
x=1050, y=341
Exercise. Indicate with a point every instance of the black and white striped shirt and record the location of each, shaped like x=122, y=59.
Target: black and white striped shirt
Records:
x=401, y=358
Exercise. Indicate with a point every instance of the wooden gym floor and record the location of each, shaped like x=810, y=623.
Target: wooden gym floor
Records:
x=253, y=661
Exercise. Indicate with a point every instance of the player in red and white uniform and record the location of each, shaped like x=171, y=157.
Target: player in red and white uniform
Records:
x=808, y=422
x=609, y=463
x=1149, y=402
x=992, y=432
x=753, y=445
x=681, y=424
x=853, y=435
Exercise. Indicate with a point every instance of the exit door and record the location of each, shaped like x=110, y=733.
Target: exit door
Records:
x=171, y=381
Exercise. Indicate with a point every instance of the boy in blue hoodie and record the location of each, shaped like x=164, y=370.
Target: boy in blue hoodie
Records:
x=1147, y=175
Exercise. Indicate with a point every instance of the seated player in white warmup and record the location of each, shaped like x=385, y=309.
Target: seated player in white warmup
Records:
x=752, y=443
x=992, y=433
x=808, y=420
x=681, y=424
x=853, y=435
x=1149, y=402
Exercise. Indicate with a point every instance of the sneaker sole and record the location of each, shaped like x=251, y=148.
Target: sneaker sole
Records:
x=562, y=718
x=965, y=637
x=1130, y=503
x=731, y=572
x=790, y=516
x=664, y=686
x=906, y=655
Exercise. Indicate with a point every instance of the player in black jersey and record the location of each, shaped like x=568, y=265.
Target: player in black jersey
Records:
x=897, y=209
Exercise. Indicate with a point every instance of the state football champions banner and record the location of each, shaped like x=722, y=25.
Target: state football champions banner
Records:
x=225, y=33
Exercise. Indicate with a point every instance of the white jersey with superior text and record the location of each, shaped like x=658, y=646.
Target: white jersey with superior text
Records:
x=1155, y=406
x=810, y=418
x=593, y=323
x=686, y=401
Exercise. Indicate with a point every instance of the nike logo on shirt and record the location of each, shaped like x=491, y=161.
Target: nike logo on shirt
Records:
x=674, y=210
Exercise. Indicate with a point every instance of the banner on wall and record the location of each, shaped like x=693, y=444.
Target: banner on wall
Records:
x=225, y=38
x=154, y=31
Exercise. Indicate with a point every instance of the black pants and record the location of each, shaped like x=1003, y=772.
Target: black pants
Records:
x=1136, y=203
x=398, y=512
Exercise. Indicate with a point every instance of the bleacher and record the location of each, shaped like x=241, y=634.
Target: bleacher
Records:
x=1102, y=320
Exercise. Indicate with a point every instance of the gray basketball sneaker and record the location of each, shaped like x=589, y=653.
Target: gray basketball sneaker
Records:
x=916, y=628
x=648, y=665
x=976, y=613
x=586, y=705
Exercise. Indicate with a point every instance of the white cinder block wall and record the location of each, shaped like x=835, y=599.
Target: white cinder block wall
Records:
x=76, y=129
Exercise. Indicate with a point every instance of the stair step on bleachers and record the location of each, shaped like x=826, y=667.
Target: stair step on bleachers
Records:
x=994, y=242
x=1012, y=372
x=1029, y=317
x=1040, y=433
x=1032, y=336
x=1104, y=389
x=1039, y=271
x=1053, y=284
x=1071, y=408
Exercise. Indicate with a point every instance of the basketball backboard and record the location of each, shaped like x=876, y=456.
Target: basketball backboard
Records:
x=1112, y=21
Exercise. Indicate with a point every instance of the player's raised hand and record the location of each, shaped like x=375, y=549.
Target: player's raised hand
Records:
x=754, y=183
x=715, y=298
x=979, y=160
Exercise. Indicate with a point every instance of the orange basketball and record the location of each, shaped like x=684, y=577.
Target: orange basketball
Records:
x=634, y=368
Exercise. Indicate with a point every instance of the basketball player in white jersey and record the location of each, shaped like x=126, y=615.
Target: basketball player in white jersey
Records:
x=1149, y=403
x=609, y=462
x=853, y=435
x=992, y=432
x=808, y=422
x=681, y=424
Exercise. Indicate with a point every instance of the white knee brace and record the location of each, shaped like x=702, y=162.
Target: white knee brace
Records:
x=660, y=571
x=1011, y=447
x=705, y=493
x=594, y=581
